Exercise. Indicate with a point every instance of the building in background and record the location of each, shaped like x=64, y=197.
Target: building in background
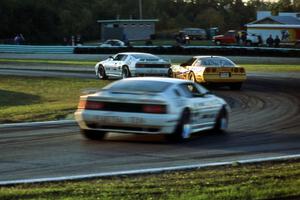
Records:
x=285, y=25
x=127, y=29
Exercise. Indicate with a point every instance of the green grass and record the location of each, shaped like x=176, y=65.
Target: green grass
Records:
x=44, y=61
x=271, y=67
x=273, y=180
x=249, y=67
x=38, y=99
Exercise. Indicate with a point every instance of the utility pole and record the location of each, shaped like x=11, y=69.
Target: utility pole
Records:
x=140, y=9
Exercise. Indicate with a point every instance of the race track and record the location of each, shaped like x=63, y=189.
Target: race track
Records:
x=265, y=121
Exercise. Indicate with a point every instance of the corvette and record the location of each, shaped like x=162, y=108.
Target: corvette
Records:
x=215, y=70
x=151, y=105
x=124, y=65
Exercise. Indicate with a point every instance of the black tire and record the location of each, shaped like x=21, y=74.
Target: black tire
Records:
x=248, y=43
x=125, y=72
x=170, y=73
x=236, y=86
x=192, y=77
x=218, y=42
x=221, y=121
x=101, y=73
x=179, y=134
x=92, y=134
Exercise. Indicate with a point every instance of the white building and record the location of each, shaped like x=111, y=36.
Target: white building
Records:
x=285, y=25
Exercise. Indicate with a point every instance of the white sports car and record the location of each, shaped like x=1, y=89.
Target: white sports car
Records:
x=151, y=105
x=123, y=65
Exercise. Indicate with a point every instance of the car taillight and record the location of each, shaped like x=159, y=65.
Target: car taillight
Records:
x=242, y=70
x=158, y=109
x=213, y=70
x=236, y=70
x=207, y=70
x=90, y=105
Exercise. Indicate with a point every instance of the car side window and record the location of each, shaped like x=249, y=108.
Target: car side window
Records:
x=190, y=90
x=120, y=57
x=197, y=63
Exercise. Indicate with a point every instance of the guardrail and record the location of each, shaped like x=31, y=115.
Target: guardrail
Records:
x=36, y=49
x=194, y=50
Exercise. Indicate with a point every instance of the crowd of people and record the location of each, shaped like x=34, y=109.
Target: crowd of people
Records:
x=273, y=42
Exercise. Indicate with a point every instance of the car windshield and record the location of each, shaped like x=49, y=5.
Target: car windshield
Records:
x=138, y=86
x=189, y=62
x=217, y=62
x=145, y=56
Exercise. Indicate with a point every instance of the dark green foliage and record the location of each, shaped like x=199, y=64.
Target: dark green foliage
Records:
x=49, y=21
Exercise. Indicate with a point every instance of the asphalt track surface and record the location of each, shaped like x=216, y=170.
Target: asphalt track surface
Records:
x=265, y=121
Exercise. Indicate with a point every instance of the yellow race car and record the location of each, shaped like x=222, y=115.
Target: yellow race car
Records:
x=214, y=70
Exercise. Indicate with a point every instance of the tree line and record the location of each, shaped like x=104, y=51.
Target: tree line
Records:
x=49, y=21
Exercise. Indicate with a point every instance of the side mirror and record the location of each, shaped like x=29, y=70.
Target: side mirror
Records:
x=110, y=58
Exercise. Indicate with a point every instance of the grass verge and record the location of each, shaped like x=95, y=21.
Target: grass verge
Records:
x=41, y=99
x=271, y=180
x=44, y=61
x=65, y=63
x=271, y=68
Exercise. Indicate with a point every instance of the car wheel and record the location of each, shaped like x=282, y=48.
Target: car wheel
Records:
x=183, y=129
x=101, y=73
x=192, y=77
x=236, y=86
x=125, y=72
x=248, y=43
x=92, y=134
x=170, y=73
x=221, y=121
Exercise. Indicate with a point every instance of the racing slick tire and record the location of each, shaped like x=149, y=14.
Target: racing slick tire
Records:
x=183, y=129
x=170, y=73
x=92, y=134
x=125, y=72
x=235, y=86
x=221, y=121
x=101, y=73
x=192, y=77
x=218, y=42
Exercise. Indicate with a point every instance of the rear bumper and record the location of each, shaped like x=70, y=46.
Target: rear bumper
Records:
x=138, y=123
x=215, y=78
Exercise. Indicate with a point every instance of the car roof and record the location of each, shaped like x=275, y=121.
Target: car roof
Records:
x=136, y=53
x=199, y=57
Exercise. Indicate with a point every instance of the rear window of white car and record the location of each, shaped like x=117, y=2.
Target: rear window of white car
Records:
x=145, y=57
x=138, y=86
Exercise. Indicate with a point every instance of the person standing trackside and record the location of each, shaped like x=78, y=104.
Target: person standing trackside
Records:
x=270, y=41
x=276, y=41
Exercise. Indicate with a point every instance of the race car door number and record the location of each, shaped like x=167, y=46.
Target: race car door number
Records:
x=224, y=74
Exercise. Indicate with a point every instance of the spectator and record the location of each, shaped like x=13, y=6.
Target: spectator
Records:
x=260, y=41
x=276, y=41
x=237, y=38
x=270, y=41
x=244, y=37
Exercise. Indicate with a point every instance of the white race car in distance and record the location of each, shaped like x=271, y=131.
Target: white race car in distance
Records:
x=123, y=65
x=151, y=105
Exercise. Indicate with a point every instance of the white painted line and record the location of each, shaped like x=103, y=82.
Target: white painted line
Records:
x=146, y=171
x=36, y=124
